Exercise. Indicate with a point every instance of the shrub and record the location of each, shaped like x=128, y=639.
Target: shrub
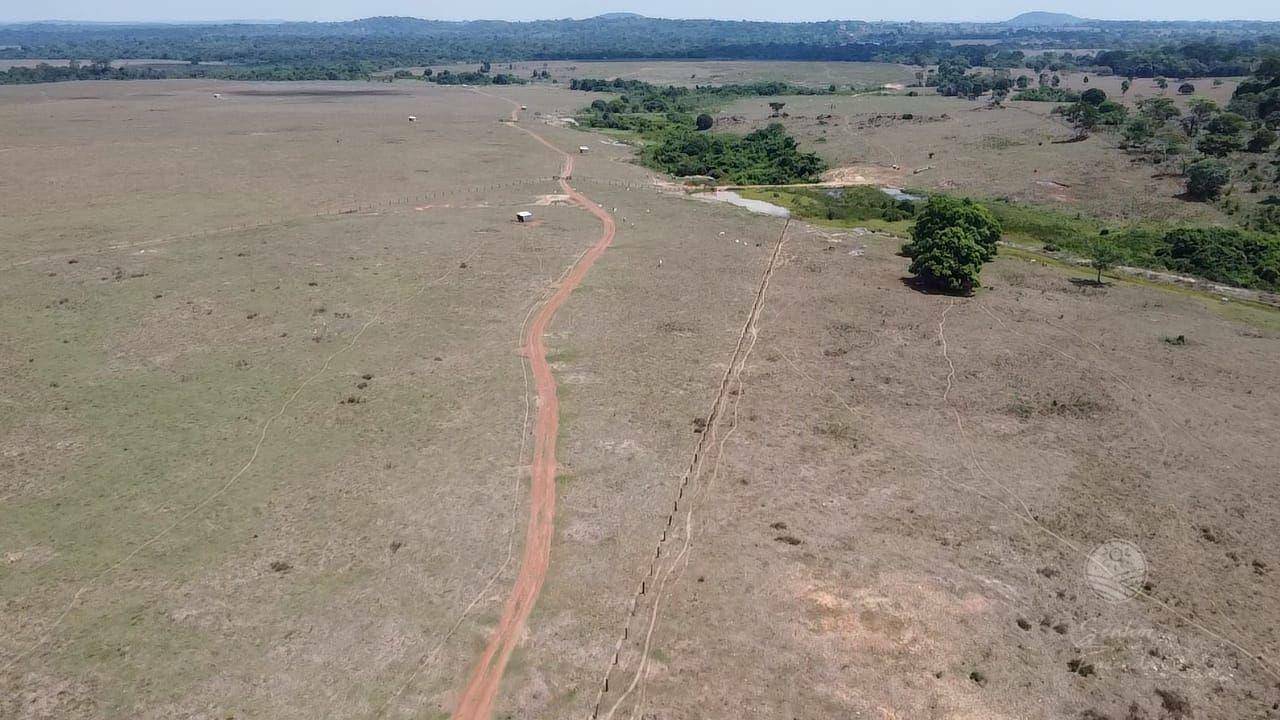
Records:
x=704, y=122
x=1206, y=178
x=1262, y=140
x=1224, y=255
x=1186, y=89
x=1218, y=146
x=1093, y=96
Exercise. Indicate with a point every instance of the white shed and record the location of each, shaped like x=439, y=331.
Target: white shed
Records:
x=523, y=216
x=582, y=149
x=413, y=118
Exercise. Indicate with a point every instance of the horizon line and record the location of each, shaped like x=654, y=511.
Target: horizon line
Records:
x=282, y=21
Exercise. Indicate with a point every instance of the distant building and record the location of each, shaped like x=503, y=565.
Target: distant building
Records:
x=582, y=149
x=413, y=118
x=523, y=215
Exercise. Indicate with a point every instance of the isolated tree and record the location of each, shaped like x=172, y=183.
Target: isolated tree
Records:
x=949, y=260
x=704, y=122
x=776, y=107
x=1022, y=82
x=1186, y=88
x=1125, y=85
x=1206, y=178
x=1103, y=255
x=1162, y=83
x=1093, y=96
x=942, y=212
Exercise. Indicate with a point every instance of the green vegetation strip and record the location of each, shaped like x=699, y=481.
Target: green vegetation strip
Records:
x=673, y=123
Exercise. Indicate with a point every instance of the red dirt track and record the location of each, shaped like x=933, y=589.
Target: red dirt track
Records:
x=476, y=701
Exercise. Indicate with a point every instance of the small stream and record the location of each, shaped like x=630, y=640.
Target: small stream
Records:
x=768, y=208
x=755, y=206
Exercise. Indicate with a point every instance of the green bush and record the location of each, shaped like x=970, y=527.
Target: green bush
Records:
x=1237, y=257
x=765, y=157
x=1047, y=94
x=1206, y=178
x=1093, y=96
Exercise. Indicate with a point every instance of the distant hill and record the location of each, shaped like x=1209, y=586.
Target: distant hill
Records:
x=1045, y=19
x=617, y=16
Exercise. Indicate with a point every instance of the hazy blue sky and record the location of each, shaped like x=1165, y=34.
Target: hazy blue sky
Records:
x=168, y=10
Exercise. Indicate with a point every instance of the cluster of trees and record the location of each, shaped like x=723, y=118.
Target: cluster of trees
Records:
x=953, y=78
x=647, y=107
x=1205, y=137
x=1233, y=256
x=1093, y=109
x=768, y=156
x=1258, y=98
x=481, y=76
x=1189, y=60
x=950, y=242
x=1172, y=49
x=104, y=70
x=674, y=122
x=1228, y=255
x=1047, y=93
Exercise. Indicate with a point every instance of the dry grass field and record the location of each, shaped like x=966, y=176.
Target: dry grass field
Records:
x=964, y=146
x=265, y=435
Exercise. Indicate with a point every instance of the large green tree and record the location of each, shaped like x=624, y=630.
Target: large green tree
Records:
x=951, y=260
x=950, y=241
x=942, y=212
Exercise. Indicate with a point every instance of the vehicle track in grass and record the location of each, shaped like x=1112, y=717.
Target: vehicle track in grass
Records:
x=476, y=699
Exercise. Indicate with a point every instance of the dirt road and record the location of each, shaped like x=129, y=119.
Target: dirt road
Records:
x=476, y=700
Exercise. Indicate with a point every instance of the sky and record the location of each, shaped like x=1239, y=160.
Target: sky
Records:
x=947, y=10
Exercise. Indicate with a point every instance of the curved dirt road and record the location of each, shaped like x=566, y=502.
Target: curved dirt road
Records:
x=476, y=700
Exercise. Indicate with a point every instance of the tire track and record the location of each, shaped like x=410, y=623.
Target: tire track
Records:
x=674, y=568
x=476, y=699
